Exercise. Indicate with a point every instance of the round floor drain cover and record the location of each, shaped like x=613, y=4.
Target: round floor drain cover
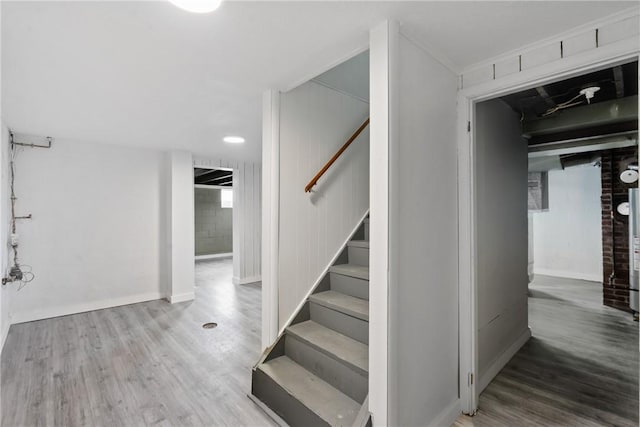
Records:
x=209, y=325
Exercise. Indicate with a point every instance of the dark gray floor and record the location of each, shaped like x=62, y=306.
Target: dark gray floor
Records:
x=580, y=368
x=142, y=364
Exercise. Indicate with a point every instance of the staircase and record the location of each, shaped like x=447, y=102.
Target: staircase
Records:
x=316, y=374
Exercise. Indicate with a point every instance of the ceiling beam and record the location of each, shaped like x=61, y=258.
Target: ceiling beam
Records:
x=618, y=78
x=587, y=116
x=211, y=173
x=203, y=172
x=596, y=143
x=545, y=95
x=218, y=178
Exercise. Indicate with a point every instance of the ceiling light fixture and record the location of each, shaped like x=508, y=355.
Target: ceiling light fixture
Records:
x=589, y=92
x=197, y=6
x=233, y=139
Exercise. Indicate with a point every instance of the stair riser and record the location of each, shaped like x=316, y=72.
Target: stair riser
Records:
x=290, y=409
x=359, y=256
x=347, y=325
x=340, y=375
x=348, y=285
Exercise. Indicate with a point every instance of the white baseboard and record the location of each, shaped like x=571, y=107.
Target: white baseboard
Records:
x=49, y=312
x=214, y=256
x=502, y=360
x=246, y=280
x=448, y=415
x=569, y=274
x=188, y=296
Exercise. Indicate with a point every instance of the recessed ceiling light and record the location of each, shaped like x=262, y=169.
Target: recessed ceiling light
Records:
x=197, y=6
x=233, y=139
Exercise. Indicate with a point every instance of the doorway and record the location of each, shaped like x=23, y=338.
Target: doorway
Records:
x=549, y=169
x=213, y=212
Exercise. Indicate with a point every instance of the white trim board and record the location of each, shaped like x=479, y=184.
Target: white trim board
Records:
x=270, y=214
x=384, y=40
x=214, y=256
x=557, y=38
x=49, y=312
x=246, y=280
x=211, y=187
x=501, y=361
x=568, y=274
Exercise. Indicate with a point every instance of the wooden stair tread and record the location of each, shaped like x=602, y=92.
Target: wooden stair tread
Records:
x=346, y=304
x=352, y=270
x=339, y=346
x=329, y=403
x=358, y=244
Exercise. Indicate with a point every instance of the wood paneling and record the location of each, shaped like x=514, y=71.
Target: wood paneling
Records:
x=314, y=122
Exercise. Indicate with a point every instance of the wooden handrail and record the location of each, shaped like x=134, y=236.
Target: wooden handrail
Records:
x=327, y=165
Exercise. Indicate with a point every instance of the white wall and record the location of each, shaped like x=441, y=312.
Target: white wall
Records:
x=180, y=227
x=95, y=237
x=247, y=225
x=567, y=239
x=423, y=248
x=314, y=123
x=502, y=236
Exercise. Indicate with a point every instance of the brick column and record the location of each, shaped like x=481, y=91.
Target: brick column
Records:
x=615, y=230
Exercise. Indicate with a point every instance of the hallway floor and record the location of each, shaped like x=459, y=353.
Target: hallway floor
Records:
x=142, y=364
x=580, y=368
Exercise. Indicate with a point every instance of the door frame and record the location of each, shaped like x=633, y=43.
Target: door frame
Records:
x=592, y=60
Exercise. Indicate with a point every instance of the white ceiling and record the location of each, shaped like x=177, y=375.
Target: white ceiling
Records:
x=148, y=74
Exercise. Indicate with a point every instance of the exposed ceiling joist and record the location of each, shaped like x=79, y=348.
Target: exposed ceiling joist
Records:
x=202, y=172
x=618, y=79
x=583, y=145
x=228, y=176
x=588, y=116
x=544, y=95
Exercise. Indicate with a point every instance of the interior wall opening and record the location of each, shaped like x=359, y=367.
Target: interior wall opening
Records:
x=556, y=176
x=213, y=209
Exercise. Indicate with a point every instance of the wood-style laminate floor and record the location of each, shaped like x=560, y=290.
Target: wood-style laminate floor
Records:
x=580, y=368
x=142, y=364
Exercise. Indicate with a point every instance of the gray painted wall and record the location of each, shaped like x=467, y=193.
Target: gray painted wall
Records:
x=502, y=241
x=213, y=223
x=423, y=264
x=350, y=77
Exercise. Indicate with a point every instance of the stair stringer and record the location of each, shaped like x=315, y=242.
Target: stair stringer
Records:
x=340, y=255
x=302, y=313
